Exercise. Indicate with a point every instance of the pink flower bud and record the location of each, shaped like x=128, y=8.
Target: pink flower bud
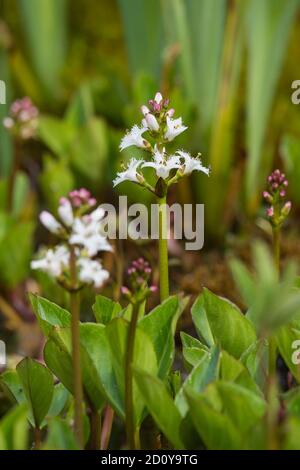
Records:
x=270, y=211
x=125, y=290
x=170, y=112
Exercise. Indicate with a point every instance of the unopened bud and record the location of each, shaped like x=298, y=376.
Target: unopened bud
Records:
x=152, y=122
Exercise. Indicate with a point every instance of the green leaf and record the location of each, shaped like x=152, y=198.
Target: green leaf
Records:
x=205, y=372
x=268, y=26
x=15, y=253
x=59, y=400
x=290, y=150
x=143, y=20
x=49, y=314
x=56, y=181
x=105, y=309
x=144, y=358
x=59, y=360
x=193, y=356
x=191, y=342
x=256, y=359
x=160, y=325
x=219, y=321
x=89, y=150
x=292, y=401
x=38, y=387
x=14, y=429
x=46, y=39
x=57, y=134
x=242, y=406
x=285, y=338
x=215, y=429
x=161, y=406
x=12, y=387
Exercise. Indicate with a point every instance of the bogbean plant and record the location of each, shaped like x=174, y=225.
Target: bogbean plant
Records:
x=227, y=394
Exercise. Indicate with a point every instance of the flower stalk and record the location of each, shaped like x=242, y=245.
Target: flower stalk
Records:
x=161, y=128
x=277, y=213
x=139, y=275
x=163, y=250
x=131, y=433
x=75, y=332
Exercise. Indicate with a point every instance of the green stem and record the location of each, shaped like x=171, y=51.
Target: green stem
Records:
x=276, y=248
x=272, y=341
x=132, y=435
x=77, y=379
x=163, y=249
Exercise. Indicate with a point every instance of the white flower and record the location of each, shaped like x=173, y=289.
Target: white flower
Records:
x=91, y=272
x=53, y=262
x=145, y=110
x=163, y=164
x=158, y=97
x=191, y=163
x=152, y=122
x=130, y=173
x=50, y=222
x=65, y=212
x=134, y=137
x=174, y=128
x=86, y=232
x=8, y=122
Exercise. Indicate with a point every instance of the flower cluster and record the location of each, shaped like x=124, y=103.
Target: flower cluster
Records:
x=139, y=275
x=81, y=231
x=23, y=119
x=275, y=196
x=161, y=128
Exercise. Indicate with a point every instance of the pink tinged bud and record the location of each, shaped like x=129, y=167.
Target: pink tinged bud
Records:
x=84, y=193
x=145, y=110
x=50, y=222
x=285, y=183
x=166, y=103
x=270, y=212
x=275, y=186
x=92, y=201
x=158, y=97
x=156, y=107
x=8, y=123
x=125, y=290
x=152, y=122
x=65, y=212
x=286, y=208
x=282, y=193
x=170, y=112
x=153, y=288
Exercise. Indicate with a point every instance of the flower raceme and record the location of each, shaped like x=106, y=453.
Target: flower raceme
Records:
x=23, y=119
x=161, y=128
x=275, y=196
x=138, y=275
x=80, y=229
